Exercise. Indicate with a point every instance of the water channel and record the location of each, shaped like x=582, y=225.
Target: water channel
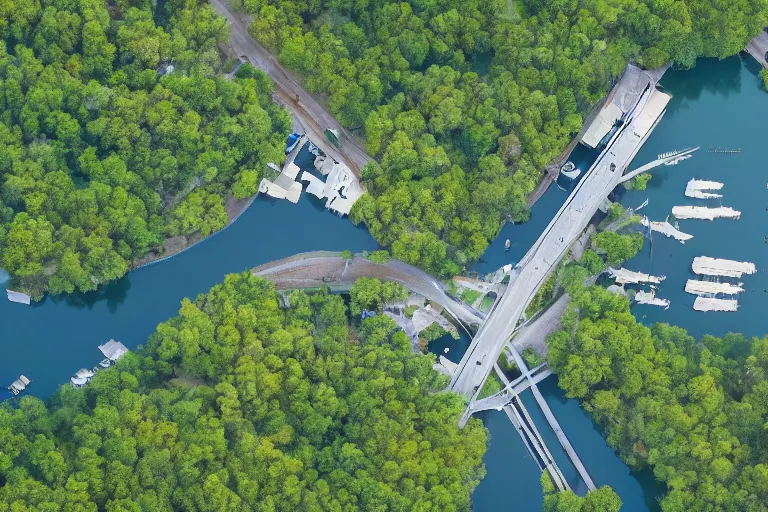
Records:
x=716, y=104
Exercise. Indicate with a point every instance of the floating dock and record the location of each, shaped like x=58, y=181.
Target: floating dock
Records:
x=666, y=229
x=718, y=267
x=624, y=276
x=712, y=304
x=696, y=189
x=702, y=212
x=21, y=298
x=650, y=298
x=82, y=377
x=710, y=288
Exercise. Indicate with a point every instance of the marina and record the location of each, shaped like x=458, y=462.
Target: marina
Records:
x=705, y=213
x=341, y=188
x=112, y=351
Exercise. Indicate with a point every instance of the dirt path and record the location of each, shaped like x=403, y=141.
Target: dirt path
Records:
x=309, y=114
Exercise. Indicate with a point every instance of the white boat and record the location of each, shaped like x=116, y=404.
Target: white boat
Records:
x=569, y=171
x=507, y=244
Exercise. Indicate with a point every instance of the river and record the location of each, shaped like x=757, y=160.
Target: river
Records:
x=716, y=104
x=51, y=340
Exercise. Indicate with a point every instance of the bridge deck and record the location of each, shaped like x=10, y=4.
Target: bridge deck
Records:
x=564, y=442
x=531, y=436
x=565, y=227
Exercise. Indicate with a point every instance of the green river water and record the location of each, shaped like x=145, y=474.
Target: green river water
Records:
x=716, y=104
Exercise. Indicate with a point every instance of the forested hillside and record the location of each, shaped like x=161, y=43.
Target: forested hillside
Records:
x=695, y=412
x=104, y=154
x=238, y=405
x=463, y=102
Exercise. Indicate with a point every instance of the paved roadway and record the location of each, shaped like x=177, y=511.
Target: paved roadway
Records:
x=528, y=276
x=325, y=268
x=758, y=47
x=312, y=117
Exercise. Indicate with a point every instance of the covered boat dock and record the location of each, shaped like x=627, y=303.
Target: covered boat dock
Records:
x=719, y=267
x=702, y=212
x=713, y=304
x=711, y=288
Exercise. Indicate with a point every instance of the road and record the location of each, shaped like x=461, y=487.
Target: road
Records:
x=566, y=226
x=758, y=47
x=325, y=268
x=312, y=117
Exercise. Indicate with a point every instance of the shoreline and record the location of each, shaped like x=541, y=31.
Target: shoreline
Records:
x=234, y=212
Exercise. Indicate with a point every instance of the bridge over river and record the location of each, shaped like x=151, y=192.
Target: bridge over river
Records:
x=646, y=108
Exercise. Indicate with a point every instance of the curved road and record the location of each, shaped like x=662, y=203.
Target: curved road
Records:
x=313, y=118
x=324, y=268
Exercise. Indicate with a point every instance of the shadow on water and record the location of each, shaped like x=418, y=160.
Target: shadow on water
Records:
x=114, y=293
x=715, y=77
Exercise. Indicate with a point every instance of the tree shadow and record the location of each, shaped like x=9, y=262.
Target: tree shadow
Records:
x=114, y=293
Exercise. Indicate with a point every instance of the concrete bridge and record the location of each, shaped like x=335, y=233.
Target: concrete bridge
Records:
x=572, y=218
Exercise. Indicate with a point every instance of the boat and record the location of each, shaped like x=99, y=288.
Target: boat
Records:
x=19, y=385
x=507, y=244
x=293, y=139
x=569, y=171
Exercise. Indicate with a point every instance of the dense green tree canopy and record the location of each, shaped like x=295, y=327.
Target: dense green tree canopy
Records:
x=103, y=154
x=372, y=294
x=603, y=499
x=464, y=102
x=237, y=405
x=695, y=412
